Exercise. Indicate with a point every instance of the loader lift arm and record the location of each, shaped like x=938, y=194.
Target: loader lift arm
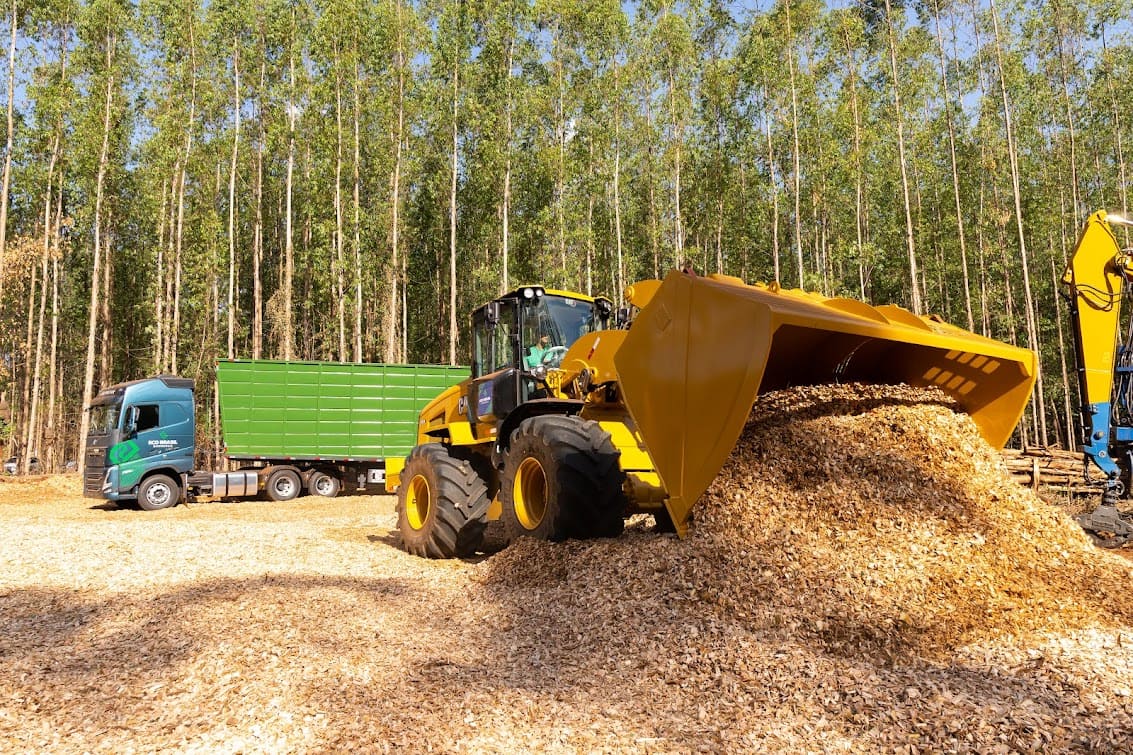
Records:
x=1094, y=282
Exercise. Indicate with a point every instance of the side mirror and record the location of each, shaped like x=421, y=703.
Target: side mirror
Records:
x=130, y=427
x=605, y=307
x=492, y=314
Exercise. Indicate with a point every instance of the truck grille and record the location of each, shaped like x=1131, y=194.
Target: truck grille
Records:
x=92, y=483
x=93, y=472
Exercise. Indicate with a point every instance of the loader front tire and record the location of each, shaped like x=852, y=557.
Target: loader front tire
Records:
x=442, y=504
x=562, y=480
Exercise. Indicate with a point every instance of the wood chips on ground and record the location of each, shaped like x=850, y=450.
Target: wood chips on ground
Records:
x=862, y=576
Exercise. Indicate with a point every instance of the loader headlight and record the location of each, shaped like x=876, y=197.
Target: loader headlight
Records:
x=532, y=292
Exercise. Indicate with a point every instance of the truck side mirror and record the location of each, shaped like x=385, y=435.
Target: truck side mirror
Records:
x=130, y=426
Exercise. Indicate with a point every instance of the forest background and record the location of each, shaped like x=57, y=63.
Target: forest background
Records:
x=346, y=179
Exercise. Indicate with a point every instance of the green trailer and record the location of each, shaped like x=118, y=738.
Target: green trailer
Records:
x=315, y=411
x=288, y=427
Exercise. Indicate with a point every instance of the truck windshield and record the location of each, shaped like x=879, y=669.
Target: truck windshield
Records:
x=104, y=418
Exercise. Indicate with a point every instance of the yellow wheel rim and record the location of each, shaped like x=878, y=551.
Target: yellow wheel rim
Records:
x=529, y=493
x=418, y=502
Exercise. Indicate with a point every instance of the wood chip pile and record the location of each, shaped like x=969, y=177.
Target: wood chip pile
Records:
x=863, y=576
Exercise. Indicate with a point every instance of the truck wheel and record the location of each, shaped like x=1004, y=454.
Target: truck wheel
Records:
x=324, y=484
x=442, y=504
x=158, y=492
x=562, y=480
x=283, y=485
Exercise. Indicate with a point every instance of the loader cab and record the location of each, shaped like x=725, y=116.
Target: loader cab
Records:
x=506, y=370
x=505, y=330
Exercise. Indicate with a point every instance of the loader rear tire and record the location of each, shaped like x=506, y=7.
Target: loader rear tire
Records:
x=442, y=504
x=561, y=480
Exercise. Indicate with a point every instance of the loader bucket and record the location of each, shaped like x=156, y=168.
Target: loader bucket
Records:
x=702, y=351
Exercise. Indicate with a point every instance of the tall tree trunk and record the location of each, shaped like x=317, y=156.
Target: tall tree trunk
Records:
x=859, y=173
x=339, y=223
x=1118, y=128
x=505, y=200
x=258, y=230
x=159, y=286
x=678, y=139
x=590, y=224
x=357, y=206
x=96, y=262
x=392, y=283
x=767, y=116
x=795, y=147
x=560, y=171
x=104, y=298
x=5, y=182
x=288, y=271
x=232, y=199
x=32, y=435
x=621, y=275
x=960, y=232
x=914, y=277
x=1067, y=409
x=1071, y=128
x=50, y=434
x=24, y=418
x=1032, y=327
x=452, y=216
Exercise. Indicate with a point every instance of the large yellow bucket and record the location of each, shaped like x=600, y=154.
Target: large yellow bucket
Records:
x=702, y=350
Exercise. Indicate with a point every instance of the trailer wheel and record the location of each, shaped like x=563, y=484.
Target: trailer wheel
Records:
x=324, y=484
x=562, y=480
x=283, y=485
x=442, y=504
x=158, y=492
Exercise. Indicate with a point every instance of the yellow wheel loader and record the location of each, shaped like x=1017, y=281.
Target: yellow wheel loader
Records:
x=575, y=417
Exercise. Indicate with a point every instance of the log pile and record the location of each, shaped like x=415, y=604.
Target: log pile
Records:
x=1057, y=468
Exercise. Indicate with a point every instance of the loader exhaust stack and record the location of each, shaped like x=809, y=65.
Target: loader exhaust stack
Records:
x=702, y=351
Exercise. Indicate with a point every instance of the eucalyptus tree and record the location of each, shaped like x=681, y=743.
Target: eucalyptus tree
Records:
x=452, y=42
x=5, y=179
x=105, y=61
x=716, y=124
x=1002, y=61
x=402, y=17
x=1114, y=66
x=848, y=41
x=759, y=57
x=50, y=93
x=230, y=34
x=882, y=18
x=950, y=101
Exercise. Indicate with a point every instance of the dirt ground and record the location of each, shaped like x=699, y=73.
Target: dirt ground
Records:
x=254, y=626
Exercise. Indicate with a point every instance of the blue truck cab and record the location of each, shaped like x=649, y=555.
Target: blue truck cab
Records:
x=141, y=442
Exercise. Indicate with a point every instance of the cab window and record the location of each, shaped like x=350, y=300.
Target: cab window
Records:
x=147, y=417
x=492, y=347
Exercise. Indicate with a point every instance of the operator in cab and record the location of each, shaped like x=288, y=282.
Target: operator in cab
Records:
x=536, y=352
